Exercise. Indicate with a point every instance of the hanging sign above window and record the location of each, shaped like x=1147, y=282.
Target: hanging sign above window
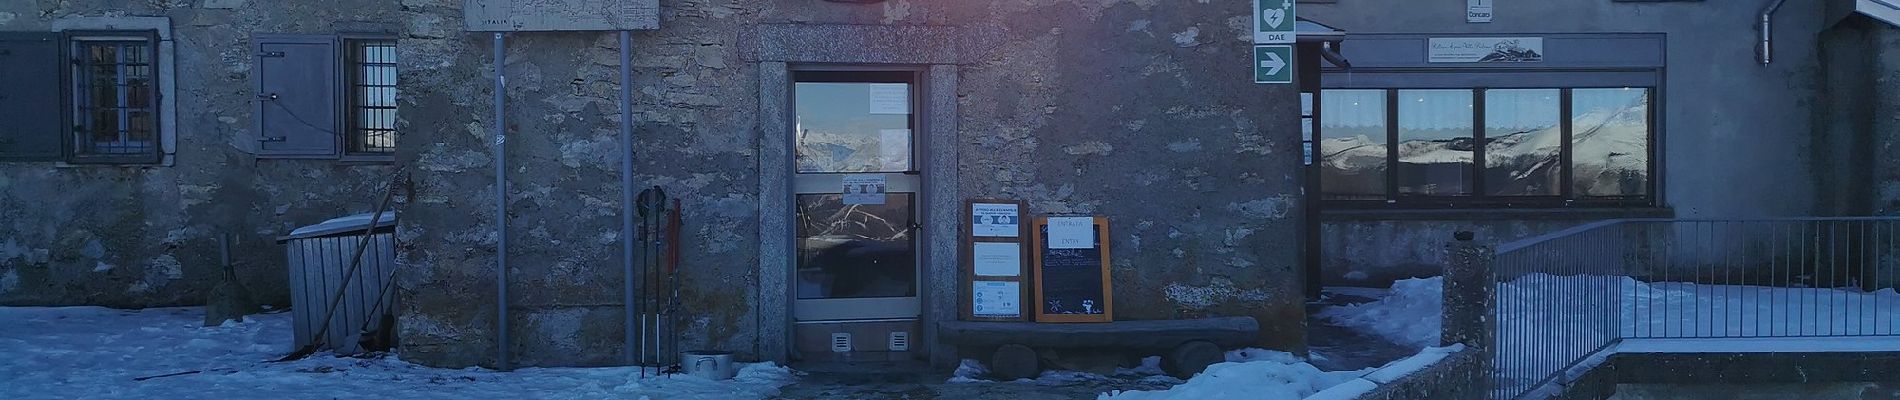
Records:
x=1478, y=11
x=1485, y=50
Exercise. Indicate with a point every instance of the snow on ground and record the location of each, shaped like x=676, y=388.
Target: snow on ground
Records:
x=1248, y=374
x=1409, y=315
x=95, y=353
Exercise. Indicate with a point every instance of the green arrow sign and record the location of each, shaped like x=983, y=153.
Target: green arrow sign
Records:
x=1273, y=63
x=1273, y=21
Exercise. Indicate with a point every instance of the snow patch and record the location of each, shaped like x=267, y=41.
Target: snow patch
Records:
x=1264, y=379
x=94, y=352
x=1409, y=316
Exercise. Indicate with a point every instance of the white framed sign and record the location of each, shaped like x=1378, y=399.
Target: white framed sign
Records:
x=996, y=299
x=1485, y=50
x=995, y=220
x=997, y=258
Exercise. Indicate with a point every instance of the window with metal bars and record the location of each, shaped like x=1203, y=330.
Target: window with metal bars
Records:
x=115, y=99
x=370, y=109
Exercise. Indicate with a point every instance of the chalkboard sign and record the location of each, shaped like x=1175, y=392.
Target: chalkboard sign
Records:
x=1072, y=278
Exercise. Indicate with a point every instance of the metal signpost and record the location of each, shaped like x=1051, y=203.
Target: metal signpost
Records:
x=506, y=16
x=1273, y=37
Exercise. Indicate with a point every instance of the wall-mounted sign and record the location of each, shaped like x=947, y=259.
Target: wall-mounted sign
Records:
x=560, y=15
x=890, y=98
x=994, y=267
x=1485, y=50
x=1273, y=63
x=864, y=189
x=1273, y=21
x=1478, y=11
x=995, y=220
x=997, y=259
x=1072, y=284
x=996, y=299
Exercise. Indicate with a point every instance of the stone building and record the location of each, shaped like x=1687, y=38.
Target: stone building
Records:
x=251, y=118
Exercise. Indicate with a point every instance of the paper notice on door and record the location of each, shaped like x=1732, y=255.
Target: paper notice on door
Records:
x=1071, y=232
x=894, y=149
x=864, y=189
x=890, y=98
x=996, y=299
x=997, y=259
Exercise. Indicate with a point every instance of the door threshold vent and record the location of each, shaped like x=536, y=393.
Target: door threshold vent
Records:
x=900, y=341
x=840, y=342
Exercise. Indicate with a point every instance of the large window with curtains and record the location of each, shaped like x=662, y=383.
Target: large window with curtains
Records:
x=1487, y=147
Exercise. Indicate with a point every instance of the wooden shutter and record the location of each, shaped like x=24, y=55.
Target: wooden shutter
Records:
x=32, y=105
x=297, y=96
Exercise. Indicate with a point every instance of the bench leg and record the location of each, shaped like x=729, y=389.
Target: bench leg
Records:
x=1192, y=357
x=1015, y=361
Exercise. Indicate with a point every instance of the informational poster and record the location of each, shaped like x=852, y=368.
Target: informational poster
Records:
x=1071, y=232
x=996, y=299
x=994, y=220
x=1485, y=50
x=894, y=149
x=890, y=98
x=1478, y=11
x=997, y=259
x=864, y=189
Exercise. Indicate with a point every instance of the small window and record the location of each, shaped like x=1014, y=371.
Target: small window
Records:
x=370, y=112
x=115, y=99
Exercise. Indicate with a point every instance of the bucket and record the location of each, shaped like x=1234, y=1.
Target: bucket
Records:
x=713, y=365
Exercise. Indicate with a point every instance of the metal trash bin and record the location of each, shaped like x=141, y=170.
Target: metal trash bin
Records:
x=319, y=258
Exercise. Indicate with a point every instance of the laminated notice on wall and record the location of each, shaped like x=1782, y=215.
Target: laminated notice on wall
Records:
x=996, y=298
x=890, y=98
x=994, y=220
x=864, y=189
x=997, y=259
x=1071, y=232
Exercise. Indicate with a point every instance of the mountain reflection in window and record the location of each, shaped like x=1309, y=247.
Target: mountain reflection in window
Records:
x=1523, y=153
x=1435, y=144
x=1352, y=144
x=1609, y=142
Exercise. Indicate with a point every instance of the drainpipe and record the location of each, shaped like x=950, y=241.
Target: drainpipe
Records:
x=1765, y=51
x=501, y=211
x=626, y=182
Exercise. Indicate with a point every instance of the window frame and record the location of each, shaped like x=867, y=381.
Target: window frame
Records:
x=1480, y=196
x=71, y=150
x=347, y=83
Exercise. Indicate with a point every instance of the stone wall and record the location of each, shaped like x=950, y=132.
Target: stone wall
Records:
x=142, y=236
x=1133, y=110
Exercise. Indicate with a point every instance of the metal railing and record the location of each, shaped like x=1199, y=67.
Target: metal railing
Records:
x=1568, y=295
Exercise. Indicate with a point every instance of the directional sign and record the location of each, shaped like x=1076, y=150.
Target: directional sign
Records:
x=1273, y=63
x=1273, y=21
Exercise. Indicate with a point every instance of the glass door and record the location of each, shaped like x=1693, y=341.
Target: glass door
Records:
x=856, y=193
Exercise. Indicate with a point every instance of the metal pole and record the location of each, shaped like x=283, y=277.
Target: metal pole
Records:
x=626, y=183
x=501, y=210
